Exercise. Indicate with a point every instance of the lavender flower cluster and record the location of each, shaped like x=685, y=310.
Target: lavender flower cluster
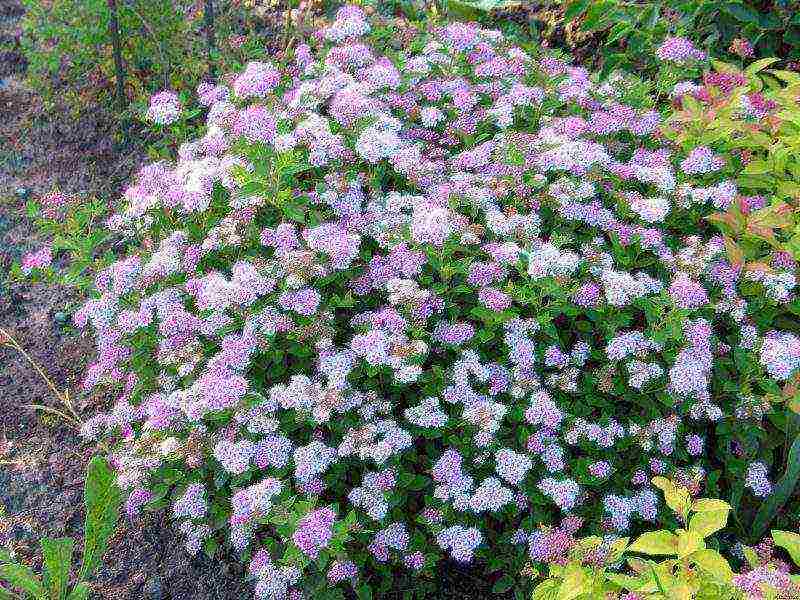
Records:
x=398, y=308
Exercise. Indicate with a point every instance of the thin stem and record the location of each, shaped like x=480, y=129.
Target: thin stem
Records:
x=7, y=339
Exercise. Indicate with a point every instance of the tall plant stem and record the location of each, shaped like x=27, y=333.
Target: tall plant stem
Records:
x=71, y=416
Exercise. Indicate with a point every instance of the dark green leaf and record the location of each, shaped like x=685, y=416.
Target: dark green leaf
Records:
x=742, y=13
x=364, y=592
x=780, y=495
x=503, y=584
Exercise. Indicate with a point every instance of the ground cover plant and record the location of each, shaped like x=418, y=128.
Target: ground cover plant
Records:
x=395, y=308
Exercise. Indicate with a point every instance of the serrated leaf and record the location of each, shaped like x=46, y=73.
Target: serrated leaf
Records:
x=57, y=559
x=102, y=498
x=22, y=578
x=655, y=543
x=780, y=494
x=790, y=542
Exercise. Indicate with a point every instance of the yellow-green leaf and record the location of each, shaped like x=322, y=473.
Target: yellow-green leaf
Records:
x=713, y=563
x=708, y=522
x=576, y=582
x=546, y=590
x=760, y=65
x=789, y=541
x=689, y=542
x=706, y=504
x=655, y=543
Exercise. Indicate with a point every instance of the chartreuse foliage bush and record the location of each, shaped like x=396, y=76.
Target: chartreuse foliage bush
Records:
x=691, y=568
x=453, y=299
x=752, y=117
x=59, y=581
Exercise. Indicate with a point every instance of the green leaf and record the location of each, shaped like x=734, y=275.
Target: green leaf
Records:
x=21, y=577
x=741, y=12
x=780, y=494
x=689, y=542
x=575, y=9
x=575, y=583
x=57, y=558
x=503, y=584
x=81, y=592
x=760, y=65
x=790, y=542
x=102, y=498
x=655, y=543
x=546, y=590
x=597, y=16
x=708, y=522
x=709, y=504
x=364, y=592
x=714, y=563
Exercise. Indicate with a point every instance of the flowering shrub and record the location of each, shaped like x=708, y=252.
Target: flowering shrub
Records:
x=389, y=309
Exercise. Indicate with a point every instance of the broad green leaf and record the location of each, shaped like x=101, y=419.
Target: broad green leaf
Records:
x=546, y=590
x=22, y=578
x=678, y=499
x=364, y=592
x=575, y=583
x=741, y=12
x=790, y=542
x=80, y=592
x=503, y=584
x=757, y=167
x=714, y=563
x=709, y=504
x=57, y=558
x=780, y=494
x=102, y=498
x=655, y=543
x=689, y=542
x=708, y=522
x=760, y=65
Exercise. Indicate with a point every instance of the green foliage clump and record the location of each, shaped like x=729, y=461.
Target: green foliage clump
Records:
x=102, y=498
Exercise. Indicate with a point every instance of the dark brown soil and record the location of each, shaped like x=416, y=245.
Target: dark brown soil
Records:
x=42, y=459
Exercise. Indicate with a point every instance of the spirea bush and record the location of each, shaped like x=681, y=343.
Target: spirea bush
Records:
x=395, y=308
